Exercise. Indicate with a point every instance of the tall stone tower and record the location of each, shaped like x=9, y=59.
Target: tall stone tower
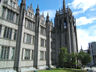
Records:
x=64, y=33
x=17, y=59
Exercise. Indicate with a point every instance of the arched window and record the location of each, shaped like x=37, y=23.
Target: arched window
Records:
x=65, y=25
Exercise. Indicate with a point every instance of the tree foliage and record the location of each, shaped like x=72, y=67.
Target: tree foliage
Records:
x=66, y=59
x=70, y=60
x=63, y=57
x=84, y=58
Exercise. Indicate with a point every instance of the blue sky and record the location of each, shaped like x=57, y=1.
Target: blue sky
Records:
x=83, y=10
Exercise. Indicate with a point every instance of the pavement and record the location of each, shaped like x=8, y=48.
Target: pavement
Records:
x=92, y=69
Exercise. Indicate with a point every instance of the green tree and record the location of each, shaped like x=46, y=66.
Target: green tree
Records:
x=73, y=60
x=66, y=59
x=84, y=58
x=63, y=57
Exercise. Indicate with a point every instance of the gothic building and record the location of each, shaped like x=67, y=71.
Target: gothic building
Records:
x=29, y=41
x=64, y=33
x=25, y=38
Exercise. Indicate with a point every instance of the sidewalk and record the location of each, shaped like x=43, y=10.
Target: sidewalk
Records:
x=93, y=69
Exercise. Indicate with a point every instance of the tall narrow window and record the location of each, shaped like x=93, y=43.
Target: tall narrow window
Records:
x=10, y=16
x=42, y=42
x=17, y=18
x=15, y=34
x=32, y=54
x=0, y=29
x=27, y=54
x=41, y=55
x=65, y=25
x=12, y=53
x=33, y=27
x=43, y=31
x=5, y=53
x=30, y=25
x=7, y=33
x=45, y=43
x=33, y=40
x=3, y=12
x=10, y=33
x=28, y=39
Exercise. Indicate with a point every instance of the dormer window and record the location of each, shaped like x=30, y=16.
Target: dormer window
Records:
x=43, y=31
x=30, y=14
x=12, y=4
x=42, y=22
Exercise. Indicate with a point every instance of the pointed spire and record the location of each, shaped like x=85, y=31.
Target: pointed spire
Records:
x=23, y=1
x=23, y=4
x=31, y=6
x=51, y=20
x=64, y=7
x=47, y=18
x=47, y=14
x=27, y=7
x=81, y=49
x=37, y=6
x=37, y=10
x=43, y=14
x=59, y=10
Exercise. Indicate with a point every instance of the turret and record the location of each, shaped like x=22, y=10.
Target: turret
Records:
x=31, y=7
x=23, y=2
x=47, y=18
x=64, y=7
x=37, y=10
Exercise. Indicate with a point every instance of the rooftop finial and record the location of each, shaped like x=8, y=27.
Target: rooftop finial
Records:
x=31, y=6
x=37, y=10
x=64, y=5
x=48, y=14
x=23, y=1
x=37, y=6
x=47, y=17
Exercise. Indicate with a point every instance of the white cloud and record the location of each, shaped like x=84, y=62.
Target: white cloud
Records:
x=92, y=9
x=77, y=12
x=51, y=13
x=83, y=4
x=84, y=21
x=93, y=27
x=84, y=38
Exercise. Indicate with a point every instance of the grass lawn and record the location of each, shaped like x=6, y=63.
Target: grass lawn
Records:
x=62, y=70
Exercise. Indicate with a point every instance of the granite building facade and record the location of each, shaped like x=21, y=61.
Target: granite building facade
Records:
x=25, y=38
x=28, y=40
x=92, y=52
x=64, y=33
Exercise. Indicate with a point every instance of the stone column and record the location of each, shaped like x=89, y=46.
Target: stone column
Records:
x=57, y=38
x=0, y=51
x=69, y=35
x=19, y=37
x=36, y=45
x=48, y=35
x=73, y=37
